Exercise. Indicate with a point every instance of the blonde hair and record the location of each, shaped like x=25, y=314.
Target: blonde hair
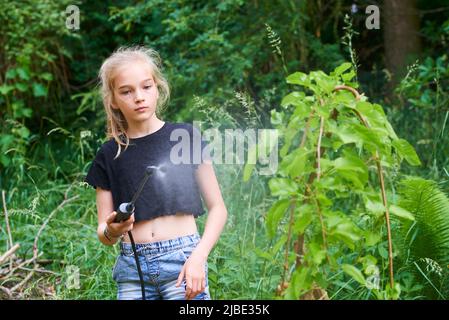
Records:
x=116, y=122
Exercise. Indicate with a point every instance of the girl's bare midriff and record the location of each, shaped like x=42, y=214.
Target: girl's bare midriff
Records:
x=163, y=228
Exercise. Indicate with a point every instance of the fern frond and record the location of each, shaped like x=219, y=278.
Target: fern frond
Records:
x=428, y=236
x=425, y=241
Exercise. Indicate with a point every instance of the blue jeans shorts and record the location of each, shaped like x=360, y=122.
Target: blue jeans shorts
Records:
x=160, y=262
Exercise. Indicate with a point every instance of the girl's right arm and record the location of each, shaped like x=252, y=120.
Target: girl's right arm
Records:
x=108, y=231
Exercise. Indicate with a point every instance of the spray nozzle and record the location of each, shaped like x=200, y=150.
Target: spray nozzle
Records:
x=151, y=169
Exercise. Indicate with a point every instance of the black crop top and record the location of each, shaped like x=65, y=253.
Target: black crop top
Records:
x=166, y=192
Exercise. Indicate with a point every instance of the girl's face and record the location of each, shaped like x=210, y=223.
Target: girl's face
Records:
x=135, y=92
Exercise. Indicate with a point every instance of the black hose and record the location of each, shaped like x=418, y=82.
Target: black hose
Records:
x=142, y=285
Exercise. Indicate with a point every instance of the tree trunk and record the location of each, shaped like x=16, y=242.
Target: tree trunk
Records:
x=401, y=36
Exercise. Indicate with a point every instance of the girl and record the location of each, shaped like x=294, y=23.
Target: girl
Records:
x=172, y=255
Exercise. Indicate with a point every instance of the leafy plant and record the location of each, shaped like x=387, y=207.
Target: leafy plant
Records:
x=330, y=191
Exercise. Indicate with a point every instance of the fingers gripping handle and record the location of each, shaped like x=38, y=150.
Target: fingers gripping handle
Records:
x=124, y=211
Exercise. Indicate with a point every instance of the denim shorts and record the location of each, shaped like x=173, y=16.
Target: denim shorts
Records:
x=160, y=262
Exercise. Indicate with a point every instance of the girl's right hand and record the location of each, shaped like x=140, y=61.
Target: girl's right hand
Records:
x=116, y=229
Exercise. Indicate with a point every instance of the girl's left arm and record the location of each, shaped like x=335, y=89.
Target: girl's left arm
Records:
x=193, y=270
x=217, y=212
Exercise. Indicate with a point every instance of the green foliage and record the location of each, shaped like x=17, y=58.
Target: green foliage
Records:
x=212, y=49
x=424, y=85
x=425, y=240
x=31, y=45
x=13, y=144
x=351, y=136
x=423, y=93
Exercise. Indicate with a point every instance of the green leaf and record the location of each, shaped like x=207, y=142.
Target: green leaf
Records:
x=342, y=68
x=278, y=245
x=368, y=263
x=263, y=254
x=373, y=114
x=302, y=110
x=4, y=160
x=23, y=74
x=299, y=78
x=294, y=98
x=27, y=112
x=301, y=282
x=304, y=218
x=295, y=163
x=355, y=273
x=275, y=215
x=17, y=107
x=316, y=253
x=39, y=90
x=5, y=141
x=344, y=97
x=324, y=82
x=282, y=187
x=393, y=293
x=349, y=162
x=371, y=137
x=352, y=168
x=23, y=132
x=277, y=118
x=374, y=206
x=5, y=89
x=406, y=151
x=11, y=73
x=347, y=232
x=401, y=212
x=348, y=135
x=382, y=251
x=21, y=86
x=371, y=238
x=348, y=76
x=46, y=76
x=342, y=228
x=390, y=130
